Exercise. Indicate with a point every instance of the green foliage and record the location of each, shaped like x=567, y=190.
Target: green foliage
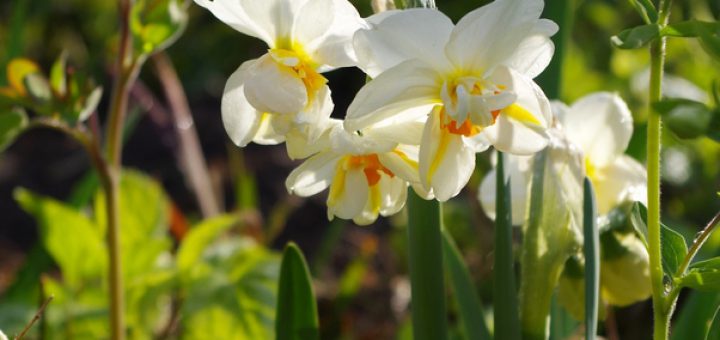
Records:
x=296, y=317
x=714, y=331
x=686, y=118
x=470, y=307
x=12, y=124
x=673, y=244
x=636, y=37
x=591, y=250
x=646, y=9
x=156, y=24
x=696, y=315
x=703, y=276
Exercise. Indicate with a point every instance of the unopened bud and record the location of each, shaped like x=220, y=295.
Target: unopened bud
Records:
x=625, y=277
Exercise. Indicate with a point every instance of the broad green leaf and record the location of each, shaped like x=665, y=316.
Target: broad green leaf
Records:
x=703, y=276
x=689, y=28
x=709, y=40
x=144, y=210
x=58, y=79
x=636, y=37
x=673, y=245
x=233, y=292
x=646, y=9
x=73, y=241
x=199, y=238
x=686, y=118
x=464, y=292
x=11, y=125
x=695, y=315
x=714, y=331
x=296, y=316
x=156, y=24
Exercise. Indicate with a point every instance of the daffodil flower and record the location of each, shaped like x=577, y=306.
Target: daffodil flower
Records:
x=367, y=175
x=267, y=97
x=600, y=125
x=474, y=80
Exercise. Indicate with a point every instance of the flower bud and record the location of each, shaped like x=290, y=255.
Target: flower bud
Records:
x=624, y=269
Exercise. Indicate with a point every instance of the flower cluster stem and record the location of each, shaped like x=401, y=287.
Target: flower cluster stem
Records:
x=661, y=311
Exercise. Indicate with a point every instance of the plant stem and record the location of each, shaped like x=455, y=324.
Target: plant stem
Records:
x=427, y=279
x=657, y=60
x=191, y=154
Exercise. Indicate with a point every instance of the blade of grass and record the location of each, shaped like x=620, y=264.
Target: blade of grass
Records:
x=591, y=251
x=471, y=314
x=296, y=316
x=427, y=282
x=505, y=305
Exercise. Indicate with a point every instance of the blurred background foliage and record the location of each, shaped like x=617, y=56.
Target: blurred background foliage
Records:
x=217, y=277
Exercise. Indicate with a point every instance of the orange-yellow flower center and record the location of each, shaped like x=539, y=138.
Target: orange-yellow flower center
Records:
x=371, y=166
x=467, y=128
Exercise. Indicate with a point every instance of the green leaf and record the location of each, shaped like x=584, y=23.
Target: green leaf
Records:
x=58, y=80
x=73, y=241
x=38, y=87
x=296, y=309
x=232, y=292
x=714, y=331
x=506, y=312
x=646, y=9
x=91, y=103
x=156, y=24
x=636, y=37
x=11, y=125
x=695, y=315
x=199, y=238
x=673, y=245
x=703, y=276
x=591, y=250
x=709, y=40
x=471, y=314
x=686, y=118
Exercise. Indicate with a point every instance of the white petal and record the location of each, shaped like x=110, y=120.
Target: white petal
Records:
x=405, y=86
x=314, y=120
x=334, y=48
x=397, y=36
x=394, y=194
x=274, y=88
x=534, y=53
x=352, y=197
x=489, y=35
x=601, y=124
x=446, y=162
x=299, y=146
x=313, y=176
x=240, y=119
x=623, y=180
x=236, y=15
x=528, y=94
x=403, y=165
x=272, y=129
x=404, y=133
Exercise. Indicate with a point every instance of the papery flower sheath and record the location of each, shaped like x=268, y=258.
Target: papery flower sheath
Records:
x=473, y=79
x=283, y=90
x=367, y=175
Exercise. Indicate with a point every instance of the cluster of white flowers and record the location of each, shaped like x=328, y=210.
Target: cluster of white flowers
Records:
x=439, y=94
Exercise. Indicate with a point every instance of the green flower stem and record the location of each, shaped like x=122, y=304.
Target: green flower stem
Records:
x=505, y=302
x=427, y=279
x=561, y=12
x=657, y=59
x=126, y=71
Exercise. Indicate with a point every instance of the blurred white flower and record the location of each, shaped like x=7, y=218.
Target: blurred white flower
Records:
x=3, y=336
x=367, y=175
x=283, y=89
x=473, y=79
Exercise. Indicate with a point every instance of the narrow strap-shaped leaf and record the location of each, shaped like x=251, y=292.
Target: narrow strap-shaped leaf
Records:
x=427, y=282
x=505, y=304
x=591, y=251
x=296, y=317
x=696, y=315
x=470, y=307
x=714, y=331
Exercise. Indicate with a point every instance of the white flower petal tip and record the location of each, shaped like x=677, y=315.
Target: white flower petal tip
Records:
x=241, y=120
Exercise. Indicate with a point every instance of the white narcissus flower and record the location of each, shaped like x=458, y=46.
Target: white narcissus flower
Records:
x=474, y=79
x=600, y=125
x=283, y=90
x=367, y=175
x=3, y=336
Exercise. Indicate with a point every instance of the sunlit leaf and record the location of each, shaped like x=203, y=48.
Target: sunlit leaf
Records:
x=296, y=309
x=636, y=37
x=646, y=9
x=58, y=80
x=199, y=238
x=11, y=125
x=703, y=276
x=156, y=24
x=686, y=118
x=673, y=245
x=73, y=241
x=37, y=87
x=17, y=70
x=91, y=103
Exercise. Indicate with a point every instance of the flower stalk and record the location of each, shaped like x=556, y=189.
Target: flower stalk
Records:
x=657, y=60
